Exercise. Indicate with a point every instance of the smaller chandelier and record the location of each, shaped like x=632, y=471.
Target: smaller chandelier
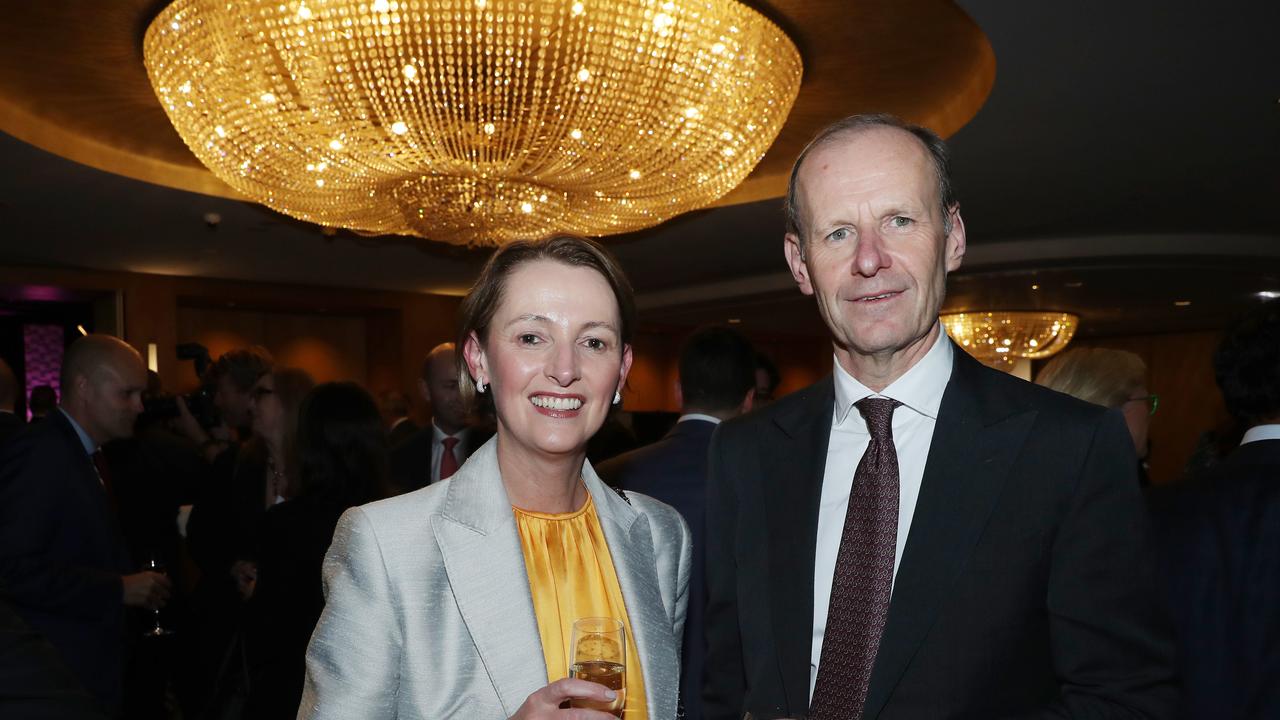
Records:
x=1002, y=337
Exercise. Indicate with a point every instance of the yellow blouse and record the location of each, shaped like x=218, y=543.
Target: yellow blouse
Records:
x=571, y=576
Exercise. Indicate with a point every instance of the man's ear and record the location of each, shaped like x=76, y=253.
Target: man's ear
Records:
x=793, y=248
x=956, y=243
x=748, y=402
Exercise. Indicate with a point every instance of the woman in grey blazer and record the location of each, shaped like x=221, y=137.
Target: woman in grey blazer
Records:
x=440, y=603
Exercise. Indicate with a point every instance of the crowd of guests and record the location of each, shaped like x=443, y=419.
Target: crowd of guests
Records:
x=914, y=536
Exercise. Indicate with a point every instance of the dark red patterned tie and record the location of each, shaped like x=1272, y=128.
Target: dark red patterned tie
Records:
x=449, y=460
x=863, y=580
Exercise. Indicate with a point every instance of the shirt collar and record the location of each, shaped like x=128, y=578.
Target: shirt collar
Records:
x=1261, y=432
x=89, y=446
x=699, y=416
x=920, y=387
x=438, y=435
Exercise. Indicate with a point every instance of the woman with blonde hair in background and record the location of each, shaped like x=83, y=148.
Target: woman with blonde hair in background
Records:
x=1110, y=378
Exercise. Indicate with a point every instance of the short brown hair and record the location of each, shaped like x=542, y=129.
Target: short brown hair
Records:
x=481, y=303
x=245, y=366
x=936, y=147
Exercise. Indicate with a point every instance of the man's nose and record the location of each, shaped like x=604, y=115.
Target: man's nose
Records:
x=869, y=254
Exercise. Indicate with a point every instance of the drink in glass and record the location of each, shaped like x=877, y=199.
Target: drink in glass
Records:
x=599, y=654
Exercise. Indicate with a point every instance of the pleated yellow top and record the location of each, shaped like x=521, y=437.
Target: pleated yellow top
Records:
x=571, y=576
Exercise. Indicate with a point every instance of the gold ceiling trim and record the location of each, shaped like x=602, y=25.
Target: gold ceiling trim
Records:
x=73, y=82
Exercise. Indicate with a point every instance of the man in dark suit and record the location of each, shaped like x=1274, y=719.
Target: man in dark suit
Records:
x=10, y=423
x=1220, y=537
x=62, y=562
x=434, y=453
x=919, y=536
x=34, y=682
x=395, y=413
x=717, y=382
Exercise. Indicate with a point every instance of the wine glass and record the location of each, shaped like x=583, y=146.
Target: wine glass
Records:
x=156, y=565
x=598, y=652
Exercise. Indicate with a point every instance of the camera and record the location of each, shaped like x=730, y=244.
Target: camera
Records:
x=199, y=402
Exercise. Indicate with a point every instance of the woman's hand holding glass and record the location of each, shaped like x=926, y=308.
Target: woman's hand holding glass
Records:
x=545, y=703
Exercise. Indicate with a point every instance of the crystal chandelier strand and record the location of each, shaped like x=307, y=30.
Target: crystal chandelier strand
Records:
x=475, y=121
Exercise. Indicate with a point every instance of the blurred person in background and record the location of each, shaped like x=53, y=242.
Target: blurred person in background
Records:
x=436, y=452
x=1110, y=378
x=43, y=400
x=339, y=457
x=717, y=382
x=395, y=407
x=227, y=508
x=63, y=563
x=1219, y=535
x=767, y=379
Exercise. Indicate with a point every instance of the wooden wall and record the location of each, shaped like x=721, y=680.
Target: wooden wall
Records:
x=375, y=337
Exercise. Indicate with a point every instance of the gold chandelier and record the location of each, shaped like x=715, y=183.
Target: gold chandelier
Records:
x=475, y=122
x=1004, y=336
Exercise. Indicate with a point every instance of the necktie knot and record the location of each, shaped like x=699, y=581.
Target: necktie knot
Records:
x=449, y=443
x=878, y=413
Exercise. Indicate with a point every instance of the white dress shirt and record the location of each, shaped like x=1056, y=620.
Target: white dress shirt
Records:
x=1261, y=432
x=437, y=448
x=920, y=392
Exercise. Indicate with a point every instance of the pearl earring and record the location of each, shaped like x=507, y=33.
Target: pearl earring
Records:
x=480, y=387
x=617, y=397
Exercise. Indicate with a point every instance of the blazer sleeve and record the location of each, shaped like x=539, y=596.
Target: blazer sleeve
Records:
x=1111, y=647
x=682, y=577
x=724, y=681
x=353, y=661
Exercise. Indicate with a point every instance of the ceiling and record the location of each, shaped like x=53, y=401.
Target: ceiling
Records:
x=1125, y=158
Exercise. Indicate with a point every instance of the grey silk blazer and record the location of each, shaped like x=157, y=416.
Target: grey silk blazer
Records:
x=428, y=613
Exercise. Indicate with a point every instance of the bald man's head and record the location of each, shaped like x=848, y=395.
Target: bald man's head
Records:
x=439, y=386
x=103, y=379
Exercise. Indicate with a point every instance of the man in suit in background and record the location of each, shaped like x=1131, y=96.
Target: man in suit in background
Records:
x=1220, y=537
x=919, y=536
x=43, y=401
x=10, y=423
x=63, y=564
x=34, y=682
x=395, y=413
x=436, y=452
x=717, y=382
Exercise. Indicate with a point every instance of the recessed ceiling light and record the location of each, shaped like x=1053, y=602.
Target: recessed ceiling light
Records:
x=1182, y=303
x=1074, y=284
x=1035, y=287
x=1268, y=294
x=735, y=321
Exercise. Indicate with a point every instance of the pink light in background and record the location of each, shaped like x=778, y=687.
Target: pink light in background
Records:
x=42, y=350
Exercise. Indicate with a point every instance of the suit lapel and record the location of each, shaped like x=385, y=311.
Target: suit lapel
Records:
x=477, y=536
x=799, y=453
x=975, y=443
x=631, y=548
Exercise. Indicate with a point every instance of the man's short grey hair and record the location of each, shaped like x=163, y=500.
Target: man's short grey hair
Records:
x=854, y=124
